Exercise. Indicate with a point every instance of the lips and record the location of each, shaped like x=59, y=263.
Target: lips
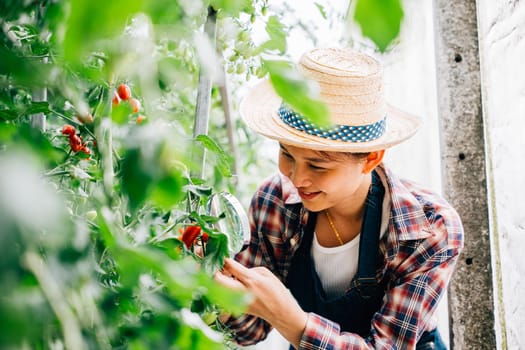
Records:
x=308, y=195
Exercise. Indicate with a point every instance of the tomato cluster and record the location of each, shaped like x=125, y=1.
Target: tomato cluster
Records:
x=123, y=93
x=75, y=141
x=190, y=235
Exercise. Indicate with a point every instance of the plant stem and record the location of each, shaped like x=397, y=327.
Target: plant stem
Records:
x=80, y=125
x=105, y=145
x=56, y=173
x=50, y=287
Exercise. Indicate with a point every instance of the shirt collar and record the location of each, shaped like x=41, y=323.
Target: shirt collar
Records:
x=407, y=212
x=290, y=193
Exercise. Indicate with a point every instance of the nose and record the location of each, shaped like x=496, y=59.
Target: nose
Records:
x=299, y=177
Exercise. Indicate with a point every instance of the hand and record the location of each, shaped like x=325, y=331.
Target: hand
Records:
x=272, y=301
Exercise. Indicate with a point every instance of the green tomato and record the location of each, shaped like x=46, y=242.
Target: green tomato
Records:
x=241, y=68
x=244, y=35
x=91, y=215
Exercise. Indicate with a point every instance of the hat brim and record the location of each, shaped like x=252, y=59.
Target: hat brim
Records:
x=259, y=111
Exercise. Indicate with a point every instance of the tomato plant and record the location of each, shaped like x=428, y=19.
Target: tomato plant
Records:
x=93, y=194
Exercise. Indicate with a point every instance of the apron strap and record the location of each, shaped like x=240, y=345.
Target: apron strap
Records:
x=370, y=234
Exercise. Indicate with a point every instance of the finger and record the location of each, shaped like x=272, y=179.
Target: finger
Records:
x=235, y=268
x=199, y=251
x=228, y=282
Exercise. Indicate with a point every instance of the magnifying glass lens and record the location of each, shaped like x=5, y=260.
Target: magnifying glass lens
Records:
x=234, y=221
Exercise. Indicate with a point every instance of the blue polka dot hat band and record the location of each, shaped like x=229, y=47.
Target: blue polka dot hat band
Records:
x=345, y=133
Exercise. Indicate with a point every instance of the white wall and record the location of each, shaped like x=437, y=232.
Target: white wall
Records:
x=410, y=78
x=502, y=54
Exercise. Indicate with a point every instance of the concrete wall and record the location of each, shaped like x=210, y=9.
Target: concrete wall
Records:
x=501, y=26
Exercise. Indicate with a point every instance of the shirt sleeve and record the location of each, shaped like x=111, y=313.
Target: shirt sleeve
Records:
x=424, y=268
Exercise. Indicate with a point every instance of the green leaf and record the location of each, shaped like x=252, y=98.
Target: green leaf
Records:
x=297, y=91
x=223, y=158
x=209, y=143
x=121, y=112
x=167, y=191
x=37, y=107
x=380, y=20
x=7, y=114
x=25, y=71
x=277, y=34
x=166, y=12
x=321, y=10
x=231, y=301
x=87, y=25
x=216, y=251
x=232, y=7
x=171, y=247
x=7, y=131
x=39, y=143
x=136, y=181
x=199, y=190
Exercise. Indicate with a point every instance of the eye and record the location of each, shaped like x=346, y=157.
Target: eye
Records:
x=286, y=154
x=316, y=167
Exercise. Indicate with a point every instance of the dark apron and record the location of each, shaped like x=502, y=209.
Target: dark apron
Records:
x=353, y=311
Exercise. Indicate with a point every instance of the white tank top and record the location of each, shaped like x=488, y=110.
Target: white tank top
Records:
x=335, y=266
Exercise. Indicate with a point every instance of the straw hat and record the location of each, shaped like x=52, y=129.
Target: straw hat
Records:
x=351, y=86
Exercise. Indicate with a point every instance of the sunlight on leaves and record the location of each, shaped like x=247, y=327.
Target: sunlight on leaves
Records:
x=277, y=34
x=302, y=95
x=380, y=20
x=223, y=158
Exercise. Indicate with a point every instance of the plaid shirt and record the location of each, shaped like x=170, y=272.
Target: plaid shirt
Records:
x=420, y=250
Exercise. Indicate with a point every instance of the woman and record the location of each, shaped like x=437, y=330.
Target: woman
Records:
x=343, y=254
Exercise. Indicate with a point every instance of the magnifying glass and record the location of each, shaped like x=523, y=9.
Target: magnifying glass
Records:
x=233, y=220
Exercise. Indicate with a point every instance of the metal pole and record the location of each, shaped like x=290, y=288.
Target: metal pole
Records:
x=38, y=120
x=228, y=120
x=471, y=294
x=202, y=112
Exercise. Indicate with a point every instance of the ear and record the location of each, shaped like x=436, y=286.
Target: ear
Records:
x=372, y=160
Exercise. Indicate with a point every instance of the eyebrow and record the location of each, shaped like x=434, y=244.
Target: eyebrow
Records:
x=310, y=159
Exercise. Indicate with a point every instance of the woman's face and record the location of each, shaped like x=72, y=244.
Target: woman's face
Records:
x=324, y=181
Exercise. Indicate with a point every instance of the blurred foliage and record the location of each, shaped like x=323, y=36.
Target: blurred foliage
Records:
x=96, y=187
x=305, y=98
x=380, y=20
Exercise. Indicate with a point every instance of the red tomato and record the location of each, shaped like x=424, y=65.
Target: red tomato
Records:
x=75, y=142
x=205, y=237
x=190, y=234
x=116, y=99
x=135, y=104
x=68, y=130
x=140, y=119
x=124, y=92
x=85, y=149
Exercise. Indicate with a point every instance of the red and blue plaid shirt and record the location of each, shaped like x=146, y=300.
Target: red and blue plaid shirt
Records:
x=420, y=248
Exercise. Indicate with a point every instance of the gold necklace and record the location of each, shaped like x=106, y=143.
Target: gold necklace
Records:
x=333, y=227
